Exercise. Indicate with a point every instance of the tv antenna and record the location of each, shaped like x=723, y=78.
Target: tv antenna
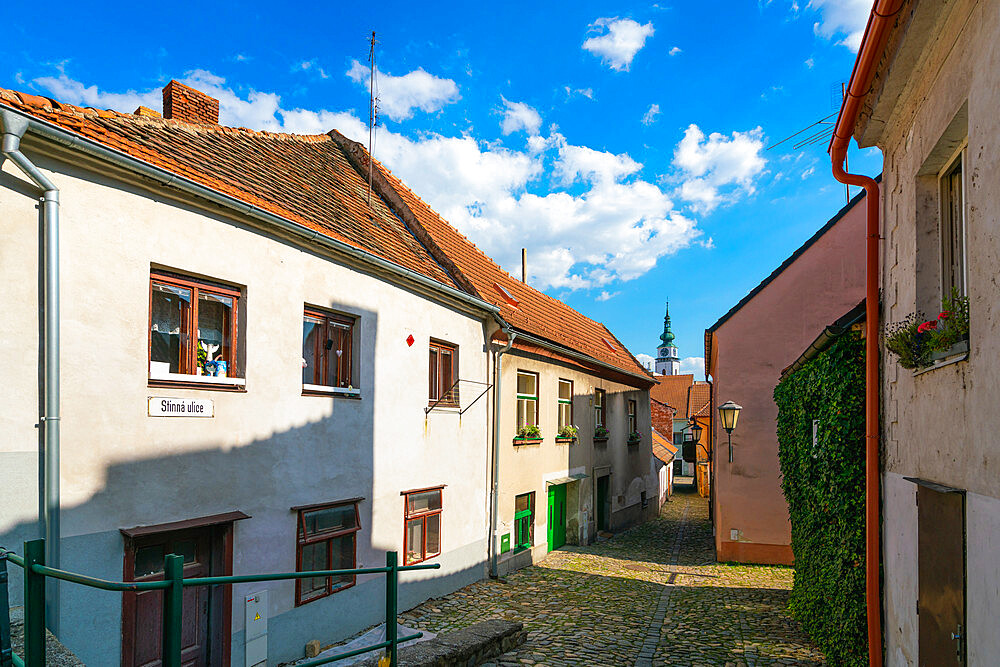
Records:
x=817, y=133
x=372, y=114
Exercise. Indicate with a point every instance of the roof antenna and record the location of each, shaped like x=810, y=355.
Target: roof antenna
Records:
x=372, y=116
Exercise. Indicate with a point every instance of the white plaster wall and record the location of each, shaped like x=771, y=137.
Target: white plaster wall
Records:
x=982, y=525
x=526, y=468
x=267, y=449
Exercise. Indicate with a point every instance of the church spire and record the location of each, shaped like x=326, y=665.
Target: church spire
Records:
x=667, y=336
x=668, y=362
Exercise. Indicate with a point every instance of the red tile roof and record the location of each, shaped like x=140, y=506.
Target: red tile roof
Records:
x=699, y=400
x=673, y=390
x=310, y=179
x=663, y=449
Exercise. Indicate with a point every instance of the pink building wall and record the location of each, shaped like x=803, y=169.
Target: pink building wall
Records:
x=749, y=349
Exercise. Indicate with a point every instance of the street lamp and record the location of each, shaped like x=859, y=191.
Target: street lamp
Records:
x=729, y=413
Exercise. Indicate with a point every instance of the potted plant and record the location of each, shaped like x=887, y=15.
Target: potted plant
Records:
x=567, y=434
x=634, y=438
x=601, y=434
x=918, y=343
x=528, y=435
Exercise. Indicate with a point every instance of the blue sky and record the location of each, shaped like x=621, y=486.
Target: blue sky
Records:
x=623, y=145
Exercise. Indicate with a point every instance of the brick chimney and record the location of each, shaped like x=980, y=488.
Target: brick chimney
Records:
x=183, y=103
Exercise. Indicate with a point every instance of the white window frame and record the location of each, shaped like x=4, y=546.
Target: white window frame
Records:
x=946, y=226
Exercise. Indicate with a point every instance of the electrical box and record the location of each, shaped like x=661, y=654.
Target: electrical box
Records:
x=255, y=629
x=505, y=543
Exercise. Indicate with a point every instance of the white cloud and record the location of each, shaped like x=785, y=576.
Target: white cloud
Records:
x=620, y=40
x=808, y=172
x=68, y=90
x=650, y=116
x=810, y=63
x=646, y=360
x=674, y=51
x=587, y=216
x=694, y=365
x=311, y=66
x=520, y=116
x=716, y=168
x=400, y=95
x=606, y=295
x=582, y=92
x=842, y=19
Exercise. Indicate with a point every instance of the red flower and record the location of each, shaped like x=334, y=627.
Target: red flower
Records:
x=944, y=314
x=927, y=325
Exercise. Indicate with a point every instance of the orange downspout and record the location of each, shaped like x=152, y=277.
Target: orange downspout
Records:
x=876, y=34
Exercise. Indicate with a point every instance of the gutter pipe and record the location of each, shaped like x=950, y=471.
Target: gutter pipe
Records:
x=494, y=489
x=165, y=178
x=880, y=23
x=14, y=128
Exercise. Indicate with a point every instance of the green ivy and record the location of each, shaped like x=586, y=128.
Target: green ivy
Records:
x=825, y=489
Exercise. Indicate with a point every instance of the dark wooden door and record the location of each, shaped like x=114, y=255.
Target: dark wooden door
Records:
x=142, y=625
x=603, y=502
x=941, y=576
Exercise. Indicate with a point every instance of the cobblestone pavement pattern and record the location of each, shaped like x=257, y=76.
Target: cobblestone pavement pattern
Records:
x=603, y=604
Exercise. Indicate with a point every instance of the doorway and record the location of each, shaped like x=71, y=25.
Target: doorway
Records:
x=557, y=516
x=206, y=623
x=604, y=502
x=941, y=574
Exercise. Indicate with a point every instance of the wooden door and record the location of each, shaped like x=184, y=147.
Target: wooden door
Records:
x=143, y=612
x=941, y=576
x=603, y=502
x=557, y=516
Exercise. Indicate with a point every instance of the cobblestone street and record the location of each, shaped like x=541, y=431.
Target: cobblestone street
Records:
x=653, y=595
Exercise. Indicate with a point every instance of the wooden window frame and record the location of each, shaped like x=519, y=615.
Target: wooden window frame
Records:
x=528, y=514
x=435, y=383
x=302, y=540
x=600, y=408
x=422, y=516
x=633, y=420
x=188, y=361
x=952, y=232
x=321, y=369
x=518, y=397
x=564, y=401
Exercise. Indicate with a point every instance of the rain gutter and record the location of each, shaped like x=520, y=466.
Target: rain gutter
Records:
x=494, y=487
x=14, y=126
x=880, y=24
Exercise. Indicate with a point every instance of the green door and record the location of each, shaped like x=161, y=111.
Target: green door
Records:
x=557, y=516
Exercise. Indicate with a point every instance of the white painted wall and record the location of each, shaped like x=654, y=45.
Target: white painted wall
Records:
x=267, y=449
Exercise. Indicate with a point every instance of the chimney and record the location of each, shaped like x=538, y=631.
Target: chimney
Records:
x=186, y=104
x=524, y=265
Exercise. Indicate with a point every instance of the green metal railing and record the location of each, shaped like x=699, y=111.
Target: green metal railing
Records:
x=173, y=584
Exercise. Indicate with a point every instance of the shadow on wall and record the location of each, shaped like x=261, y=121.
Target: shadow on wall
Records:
x=325, y=460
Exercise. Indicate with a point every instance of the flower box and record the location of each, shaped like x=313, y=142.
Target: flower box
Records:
x=565, y=441
x=961, y=347
x=600, y=440
x=527, y=441
x=634, y=440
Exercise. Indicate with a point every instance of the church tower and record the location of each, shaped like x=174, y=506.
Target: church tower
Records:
x=667, y=361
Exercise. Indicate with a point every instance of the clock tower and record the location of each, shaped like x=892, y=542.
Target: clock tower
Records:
x=667, y=361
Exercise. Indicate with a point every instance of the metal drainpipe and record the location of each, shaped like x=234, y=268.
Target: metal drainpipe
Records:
x=14, y=128
x=880, y=22
x=494, y=491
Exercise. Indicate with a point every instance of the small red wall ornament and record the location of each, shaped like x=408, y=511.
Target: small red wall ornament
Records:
x=409, y=340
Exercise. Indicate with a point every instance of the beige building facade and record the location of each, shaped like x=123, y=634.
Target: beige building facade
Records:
x=933, y=114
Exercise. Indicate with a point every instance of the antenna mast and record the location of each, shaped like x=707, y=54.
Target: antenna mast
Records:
x=372, y=115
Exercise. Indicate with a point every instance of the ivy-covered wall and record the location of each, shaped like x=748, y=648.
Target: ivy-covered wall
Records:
x=824, y=484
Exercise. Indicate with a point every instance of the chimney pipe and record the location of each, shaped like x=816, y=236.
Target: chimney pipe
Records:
x=524, y=265
x=186, y=104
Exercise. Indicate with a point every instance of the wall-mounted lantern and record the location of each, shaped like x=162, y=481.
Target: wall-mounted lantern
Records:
x=729, y=414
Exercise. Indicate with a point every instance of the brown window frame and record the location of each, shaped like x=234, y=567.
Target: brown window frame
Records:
x=345, y=363
x=601, y=409
x=302, y=540
x=412, y=516
x=562, y=401
x=435, y=382
x=633, y=421
x=188, y=358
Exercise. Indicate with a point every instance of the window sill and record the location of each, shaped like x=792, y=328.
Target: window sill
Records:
x=941, y=363
x=182, y=381
x=323, y=390
x=565, y=441
x=600, y=441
